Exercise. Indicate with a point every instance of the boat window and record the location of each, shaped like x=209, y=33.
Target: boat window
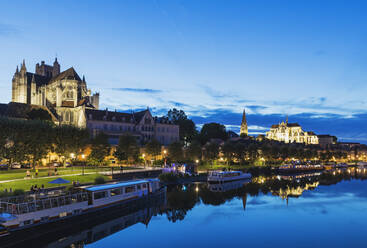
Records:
x=139, y=187
x=144, y=186
x=27, y=222
x=63, y=214
x=116, y=192
x=77, y=211
x=99, y=195
x=129, y=189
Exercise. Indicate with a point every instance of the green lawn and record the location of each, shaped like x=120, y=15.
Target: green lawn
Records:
x=43, y=172
x=26, y=184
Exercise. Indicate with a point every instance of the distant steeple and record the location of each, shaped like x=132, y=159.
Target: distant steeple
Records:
x=244, y=129
x=17, y=70
x=286, y=120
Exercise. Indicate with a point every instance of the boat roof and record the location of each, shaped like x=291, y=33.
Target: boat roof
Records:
x=118, y=185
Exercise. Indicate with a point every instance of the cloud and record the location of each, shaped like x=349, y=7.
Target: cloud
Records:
x=8, y=30
x=138, y=90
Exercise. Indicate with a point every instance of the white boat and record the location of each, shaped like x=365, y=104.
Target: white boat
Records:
x=18, y=213
x=227, y=176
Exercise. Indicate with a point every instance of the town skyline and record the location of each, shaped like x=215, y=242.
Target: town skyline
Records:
x=210, y=77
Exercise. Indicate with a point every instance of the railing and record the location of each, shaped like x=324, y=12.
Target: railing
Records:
x=37, y=204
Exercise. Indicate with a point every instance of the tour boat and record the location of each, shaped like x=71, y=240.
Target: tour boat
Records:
x=227, y=176
x=17, y=213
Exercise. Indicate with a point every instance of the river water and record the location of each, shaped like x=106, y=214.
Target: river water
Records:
x=328, y=210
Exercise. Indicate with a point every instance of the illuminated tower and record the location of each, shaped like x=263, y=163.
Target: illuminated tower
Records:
x=244, y=129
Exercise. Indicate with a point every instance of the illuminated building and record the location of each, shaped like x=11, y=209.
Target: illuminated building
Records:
x=291, y=133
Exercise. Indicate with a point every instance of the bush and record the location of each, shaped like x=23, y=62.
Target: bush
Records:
x=169, y=177
x=99, y=180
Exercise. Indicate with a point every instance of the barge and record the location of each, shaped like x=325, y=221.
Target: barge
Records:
x=36, y=211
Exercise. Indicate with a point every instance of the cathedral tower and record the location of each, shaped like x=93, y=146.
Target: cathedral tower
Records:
x=244, y=129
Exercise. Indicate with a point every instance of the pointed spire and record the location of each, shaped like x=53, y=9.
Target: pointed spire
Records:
x=17, y=70
x=83, y=78
x=23, y=69
x=244, y=128
x=286, y=120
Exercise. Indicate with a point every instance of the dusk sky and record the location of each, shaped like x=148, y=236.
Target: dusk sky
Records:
x=307, y=59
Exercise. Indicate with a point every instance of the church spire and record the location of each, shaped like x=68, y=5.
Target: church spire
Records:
x=23, y=69
x=244, y=128
x=286, y=120
x=17, y=70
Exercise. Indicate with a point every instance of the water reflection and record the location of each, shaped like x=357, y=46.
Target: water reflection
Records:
x=183, y=198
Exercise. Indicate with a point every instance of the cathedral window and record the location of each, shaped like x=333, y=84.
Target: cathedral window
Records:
x=71, y=117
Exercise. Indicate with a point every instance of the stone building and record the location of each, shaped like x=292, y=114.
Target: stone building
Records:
x=326, y=139
x=66, y=97
x=291, y=133
x=65, y=94
x=244, y=128
x=140, y=124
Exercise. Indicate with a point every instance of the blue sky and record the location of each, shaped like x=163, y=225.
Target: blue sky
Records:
x=307, y=59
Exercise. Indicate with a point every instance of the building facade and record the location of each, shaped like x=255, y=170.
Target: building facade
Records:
x=140, y=124
x=291, y=133
x=65, y=94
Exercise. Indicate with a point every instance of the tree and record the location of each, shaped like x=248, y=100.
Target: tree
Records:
x=153, y=148
x=68, y=139
x=100, y=148
x=211, y=151
x=176, y=115
x=228, y=151
x=127, y=148
x=39, y=114
x=193, y=151
x=212, y=131
x=187, y=128
x=175, y=152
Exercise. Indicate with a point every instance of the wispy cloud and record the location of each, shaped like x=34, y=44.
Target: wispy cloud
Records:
x=8, y=30
x=138, y=90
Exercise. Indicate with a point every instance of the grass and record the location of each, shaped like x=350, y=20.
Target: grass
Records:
x=43, y=172
x=26, y=184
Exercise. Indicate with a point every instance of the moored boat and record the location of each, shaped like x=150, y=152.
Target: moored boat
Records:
x=227, y=176
x=19, y=213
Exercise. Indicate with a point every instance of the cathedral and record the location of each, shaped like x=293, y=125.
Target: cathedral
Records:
x=65, y=94
x=244, y=128
x=291, y=133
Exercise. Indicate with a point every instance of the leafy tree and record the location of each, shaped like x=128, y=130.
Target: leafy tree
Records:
x=100, y=148
x=39, y=114
x=175, y=152
x=194, y=151
x=127, y=148
x=176, y=115
x=153, y=148
x=228, y=149
x=211, y=151
x=212, y=131
x=187, y=128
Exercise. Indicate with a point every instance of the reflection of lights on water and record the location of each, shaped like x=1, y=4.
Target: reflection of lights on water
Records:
x=184, y=188
x=197, y=189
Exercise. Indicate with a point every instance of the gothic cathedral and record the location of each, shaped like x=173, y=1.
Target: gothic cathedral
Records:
x=65, y=94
